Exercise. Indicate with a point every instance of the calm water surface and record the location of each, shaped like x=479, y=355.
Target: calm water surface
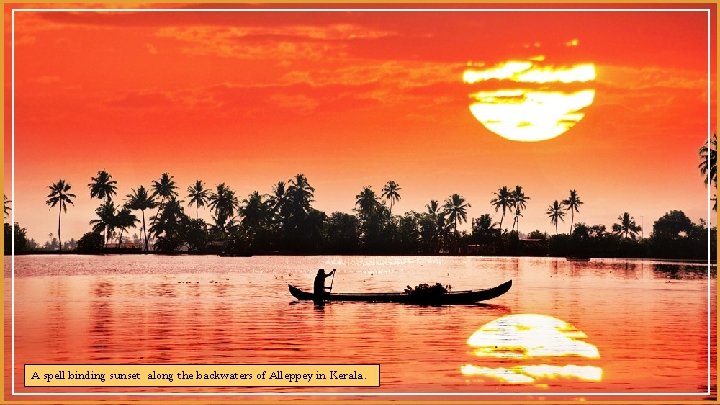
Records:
x=647, y=319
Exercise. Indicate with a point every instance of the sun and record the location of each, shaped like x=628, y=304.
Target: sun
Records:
x=530, y=100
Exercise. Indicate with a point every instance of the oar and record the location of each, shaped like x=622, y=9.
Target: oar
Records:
x=331, y=282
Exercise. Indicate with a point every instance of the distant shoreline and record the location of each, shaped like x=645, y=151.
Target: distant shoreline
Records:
x=569, y=259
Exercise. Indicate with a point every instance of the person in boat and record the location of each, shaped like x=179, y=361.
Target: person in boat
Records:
x=319, y=287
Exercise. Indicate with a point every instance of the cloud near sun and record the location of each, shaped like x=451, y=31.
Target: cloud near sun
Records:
x=530, y=100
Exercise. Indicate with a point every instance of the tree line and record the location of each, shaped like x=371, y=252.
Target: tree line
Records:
x=284, y=221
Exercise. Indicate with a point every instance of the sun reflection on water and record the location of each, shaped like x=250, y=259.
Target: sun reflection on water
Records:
x=528, y=339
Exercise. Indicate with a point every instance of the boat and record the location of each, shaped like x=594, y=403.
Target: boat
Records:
x=577, y=258
x=453, y=297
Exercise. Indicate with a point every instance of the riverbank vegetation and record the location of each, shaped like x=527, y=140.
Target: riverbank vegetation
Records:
x=285, y=222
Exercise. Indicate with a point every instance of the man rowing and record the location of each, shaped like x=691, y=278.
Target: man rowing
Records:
x=319, y=287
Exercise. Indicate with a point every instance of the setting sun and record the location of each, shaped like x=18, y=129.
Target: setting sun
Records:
x=528, y=100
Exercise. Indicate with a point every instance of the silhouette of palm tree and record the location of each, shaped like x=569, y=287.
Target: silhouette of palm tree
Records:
x=254, y=211
x=572, y=204
x=140, y=200
x=518, y=202
x=198, y=195
x=7, y=207
x=223, y=202
x=503, y=199
x=555, y=212
x=708, y=164
x=627, y=226
x=483, y=226
x=103, y=186
x=391, y=193
x=455, y=208
x=164, y=188
x=106, y=219
x=366, y=202
x=60, y=195
x=124, y=220
x=300, y=194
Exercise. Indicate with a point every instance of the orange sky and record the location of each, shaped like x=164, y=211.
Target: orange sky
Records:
x=353, y=99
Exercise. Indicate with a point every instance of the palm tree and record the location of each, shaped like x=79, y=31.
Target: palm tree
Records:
x=555, y=211
x=708, y=164
x=7, y=207
x=518, y=202
x=627, y=226
x=103, y=186
x=503, y=199
x=483, y=227
x=254, y=211
x=433, y=208
x=106, y=219
x=455, y=208
x=168, y=225
x=223, y=201
x=140, y=200
x=572, y=204
x=60, y=195
x=124, y=220
x=198, y=195
x=300, y=194
x=391, y=193
x=164, y=188
x=366, y=202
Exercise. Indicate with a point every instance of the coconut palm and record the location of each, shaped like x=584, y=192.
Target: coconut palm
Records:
x=455, y=208
x=516, y=219
x=223, y=201
x=483, y=227
x=366, y=202
x=103, y=186
x=627, y=226
x=519, y=200
x=572, y=204
x=503, y=199
x=555, y=212
x=168, y=226
x=300, y=194
x=124, y=220
x=391, y=193
x=708, y=164
x=164, y=188
x=198, y=195
x=255, y=211
x=7, y=207
x=60, y=195
x=433, y=208
x=140, y=200
x=106, y=220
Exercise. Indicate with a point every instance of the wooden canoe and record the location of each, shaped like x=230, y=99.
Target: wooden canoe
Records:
x=453, y=297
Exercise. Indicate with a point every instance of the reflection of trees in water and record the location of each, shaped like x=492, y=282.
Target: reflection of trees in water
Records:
x=101, y=316
x=682, y=271
x=58, y=344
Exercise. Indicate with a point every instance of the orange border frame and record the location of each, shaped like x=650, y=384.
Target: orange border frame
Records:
x=369, y=400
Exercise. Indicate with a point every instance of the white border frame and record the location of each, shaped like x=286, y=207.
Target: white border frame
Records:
x=364, y=394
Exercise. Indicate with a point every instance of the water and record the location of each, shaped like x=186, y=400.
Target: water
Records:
x=647, y=319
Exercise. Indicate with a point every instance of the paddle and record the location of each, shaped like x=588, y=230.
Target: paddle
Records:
x=332, y=281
